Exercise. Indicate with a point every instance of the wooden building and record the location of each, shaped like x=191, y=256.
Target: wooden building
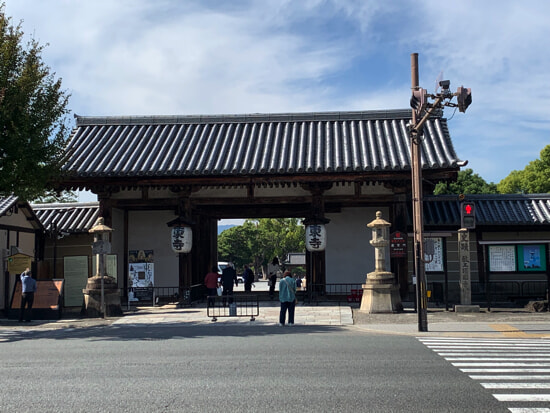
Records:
x=340, y=166
x=20, y=235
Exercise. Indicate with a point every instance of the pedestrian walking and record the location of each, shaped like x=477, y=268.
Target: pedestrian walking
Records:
x=229, y=278
x=287, y=297
x=211, y=283
x=272, y=270
x=28, y=288
x=248, y=277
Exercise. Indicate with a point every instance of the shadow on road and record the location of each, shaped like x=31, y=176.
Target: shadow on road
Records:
x=164, y=331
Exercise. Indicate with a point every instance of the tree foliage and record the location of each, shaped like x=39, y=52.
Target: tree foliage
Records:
x=54, y=197
x=533, y=179
x=256, y=242
x=467, y=183
x=33, y=109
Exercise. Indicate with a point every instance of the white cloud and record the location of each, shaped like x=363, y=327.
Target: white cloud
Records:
x=139, y=57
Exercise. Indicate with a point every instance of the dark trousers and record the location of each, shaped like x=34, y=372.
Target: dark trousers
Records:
x=225, y=294
x=212, y=293
x=27, y=299
x=248, y=287
x=272, y=282
x=290, y=306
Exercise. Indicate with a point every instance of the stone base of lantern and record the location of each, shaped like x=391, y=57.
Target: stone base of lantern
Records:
x=92, y=298
x=380, y=294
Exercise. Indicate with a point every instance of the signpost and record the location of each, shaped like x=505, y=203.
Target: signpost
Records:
x=398, y=245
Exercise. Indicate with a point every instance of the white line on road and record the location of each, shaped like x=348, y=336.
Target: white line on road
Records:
x=510, y=370
x=522, y=397
x=502, y=364
x=500, y=358
x=509, y=377
x=516, y=385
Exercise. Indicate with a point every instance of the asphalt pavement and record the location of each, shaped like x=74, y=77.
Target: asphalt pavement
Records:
x=499, y=322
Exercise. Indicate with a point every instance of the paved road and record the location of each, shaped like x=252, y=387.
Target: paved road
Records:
x=335, y=359
x=229, y=367
x=515, y=371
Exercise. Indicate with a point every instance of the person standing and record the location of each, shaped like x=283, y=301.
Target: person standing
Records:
x=287, y=297
x=28, y=288
x=211, y=283
x=248, y=277
x=229, y=277
x=272, y=270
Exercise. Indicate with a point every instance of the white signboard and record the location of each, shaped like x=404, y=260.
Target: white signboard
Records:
x=502, y=258
x=435, y=263
x=142, y=274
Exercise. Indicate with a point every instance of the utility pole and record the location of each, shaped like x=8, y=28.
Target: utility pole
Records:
x=418, y=224
x=422, y=109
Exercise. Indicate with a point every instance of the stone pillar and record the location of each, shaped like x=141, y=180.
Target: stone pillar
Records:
x=465, y=274
x=380, y=293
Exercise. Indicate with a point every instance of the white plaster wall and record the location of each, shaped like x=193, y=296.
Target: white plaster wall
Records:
x=349, y=255
x=147, y=230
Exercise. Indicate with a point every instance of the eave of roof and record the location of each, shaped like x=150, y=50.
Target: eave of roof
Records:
x=250, y=146
x=71, y=217
x=491, y=209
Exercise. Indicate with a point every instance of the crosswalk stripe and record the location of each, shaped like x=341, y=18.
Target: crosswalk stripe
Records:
x=509, y=377
x=519, y=365
x=503, y=358
x=515, y=385
x=522, y=397
x=487, y=344
x=491, y=354
x=509, y=370
x=502, y=364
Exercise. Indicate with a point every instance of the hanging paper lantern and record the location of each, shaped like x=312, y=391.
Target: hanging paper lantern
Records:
x=316, y=237
x=182, y=239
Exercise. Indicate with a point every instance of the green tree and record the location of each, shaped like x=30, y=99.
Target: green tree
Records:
x=533, y=179
x=33, y=109
x=56, y=197
x=256, y=242
x=467, y=183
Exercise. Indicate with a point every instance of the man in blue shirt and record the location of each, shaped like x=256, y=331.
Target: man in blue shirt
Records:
x=28, y=288
x=287, y=297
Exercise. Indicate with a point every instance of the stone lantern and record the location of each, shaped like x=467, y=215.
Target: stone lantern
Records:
x=101, y=295
x=380, y=293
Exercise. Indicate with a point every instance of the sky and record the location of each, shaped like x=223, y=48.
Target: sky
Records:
x=186, y=57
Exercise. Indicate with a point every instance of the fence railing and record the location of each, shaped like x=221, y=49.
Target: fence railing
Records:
x=163, y=295
x=494, y=292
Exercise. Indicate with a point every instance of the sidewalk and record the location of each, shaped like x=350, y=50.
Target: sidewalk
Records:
x=508, y=322
x=499, y=322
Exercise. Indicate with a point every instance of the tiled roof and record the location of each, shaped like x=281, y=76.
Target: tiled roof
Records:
x=6, y=203
x=532, y=209
x=249, y=145
x=68, y=217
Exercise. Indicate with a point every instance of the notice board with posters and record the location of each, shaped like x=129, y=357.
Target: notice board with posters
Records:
x=141, y=273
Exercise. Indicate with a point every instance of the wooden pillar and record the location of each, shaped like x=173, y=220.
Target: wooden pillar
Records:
x=205, y=246
x=106, y=208
x=400, y=266
x=315, y=260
